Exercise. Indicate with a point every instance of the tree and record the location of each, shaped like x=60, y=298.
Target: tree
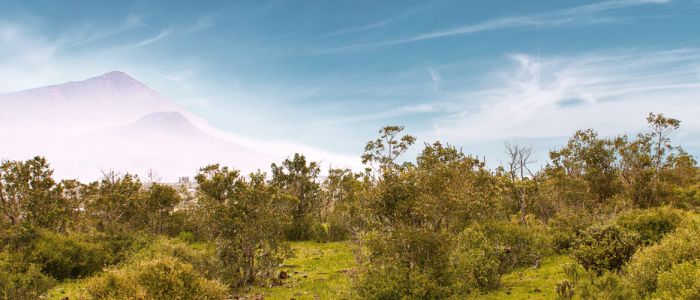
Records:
x=246, y=218
x=381, y=154
x=28, y=193
x=159, y=203
x=114, y=203
x=517, y=167
x=587, y=162
x=297, y=180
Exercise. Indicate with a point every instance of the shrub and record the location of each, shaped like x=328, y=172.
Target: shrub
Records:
x=680, y=246
x=68, y=255
x=603, y=248
x=405, y=263
x=517, y=244
x=651, y=224
x=682, y=281
x=474, y=262
x=566, y=227
x=161, y=278
x=19, y=280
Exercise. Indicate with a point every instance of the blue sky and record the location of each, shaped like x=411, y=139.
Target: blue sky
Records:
x=330, y=73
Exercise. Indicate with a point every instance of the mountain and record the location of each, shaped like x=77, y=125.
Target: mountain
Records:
x=114, y=122
x=107, y=100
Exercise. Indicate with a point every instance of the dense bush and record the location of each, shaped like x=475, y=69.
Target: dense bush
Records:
x=566, y=227
x=405, y=264
x=682, y=281
x=159, y=278
x=68, y=255
x=651, y=224
x=601, y=248
x=474, y=262
x=20, y=280
x=680, y=246
x=517, y=244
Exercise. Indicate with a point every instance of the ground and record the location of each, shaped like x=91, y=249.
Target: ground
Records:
x=320, y=271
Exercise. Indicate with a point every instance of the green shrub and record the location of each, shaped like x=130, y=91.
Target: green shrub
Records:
x=566, y=227
x=160, y=278
x=20, y=280
x=651, y=224
x=517, y=244
x=474, y=262
x=405, y=263
x=680, y=246
x=601, y=248
x=682, y=281
x=68, y=255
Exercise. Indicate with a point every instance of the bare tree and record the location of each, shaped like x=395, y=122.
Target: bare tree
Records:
x=519, y=159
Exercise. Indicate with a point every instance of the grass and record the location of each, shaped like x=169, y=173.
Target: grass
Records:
x=68, y=289
x=528, y=283
x=318, y=271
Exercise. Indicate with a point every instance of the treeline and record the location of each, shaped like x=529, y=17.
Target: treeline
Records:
x=441, y=226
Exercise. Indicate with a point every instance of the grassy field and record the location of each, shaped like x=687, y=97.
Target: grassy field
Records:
x=321, y=271
x=529, y=283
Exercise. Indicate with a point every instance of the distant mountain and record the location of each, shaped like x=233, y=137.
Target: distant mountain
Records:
x=114, y=122
x=110, y=99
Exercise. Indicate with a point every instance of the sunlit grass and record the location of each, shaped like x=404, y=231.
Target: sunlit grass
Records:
x=319, y=271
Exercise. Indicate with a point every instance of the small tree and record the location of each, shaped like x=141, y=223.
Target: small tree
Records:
x=297, y=180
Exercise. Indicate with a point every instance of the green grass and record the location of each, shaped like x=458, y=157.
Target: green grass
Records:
x=318, y=271
x=70, y=289
x=528, y=283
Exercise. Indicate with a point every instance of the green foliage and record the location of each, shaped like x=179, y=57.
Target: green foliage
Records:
x=297, y=181
x=405, y=262
x=474, y=262
x=601, y=248
x=682, y=281
x=29, y=194
x=159, y=278
x=566, y=227
x=517, y=244
x=20, y=280
x=246, y=219
x=68, y=256
x=680, y=246
x=651, y=224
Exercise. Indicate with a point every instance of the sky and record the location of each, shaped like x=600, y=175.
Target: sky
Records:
x=329, y=74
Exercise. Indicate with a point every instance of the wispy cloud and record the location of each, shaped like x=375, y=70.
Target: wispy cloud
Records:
x=435, y=78
x=375, y=25
x=88, y=34
x=163, y=34
x=610, y=91
x=578, y=15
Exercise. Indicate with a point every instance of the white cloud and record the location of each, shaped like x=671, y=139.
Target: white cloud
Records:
x=579, y=15
x=608, y=91
x=435, y=78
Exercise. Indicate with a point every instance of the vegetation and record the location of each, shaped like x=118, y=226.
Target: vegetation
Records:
x=606, y=217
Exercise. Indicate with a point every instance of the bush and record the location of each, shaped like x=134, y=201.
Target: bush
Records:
x=68, y=255
x=680, y=246
x=601, y=248
x=19, y=280
x=651, y=224
x=405, y=263
x=161, y=278
x=566, y=227
x=682, y=281
x=474, y=262
x=517, y=244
